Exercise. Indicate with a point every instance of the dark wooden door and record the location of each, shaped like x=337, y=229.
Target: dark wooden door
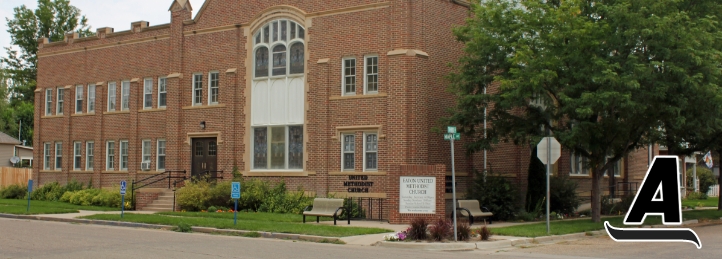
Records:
x=204, y=156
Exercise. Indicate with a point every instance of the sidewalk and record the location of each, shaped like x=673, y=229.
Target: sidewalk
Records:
x=82, y=213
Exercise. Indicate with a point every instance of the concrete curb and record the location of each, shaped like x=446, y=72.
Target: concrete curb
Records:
x=430, y=246
x=167, y=227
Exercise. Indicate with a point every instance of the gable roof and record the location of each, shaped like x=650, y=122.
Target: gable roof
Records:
x=7, y=139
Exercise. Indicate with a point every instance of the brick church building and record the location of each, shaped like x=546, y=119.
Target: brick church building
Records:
x=330, y=96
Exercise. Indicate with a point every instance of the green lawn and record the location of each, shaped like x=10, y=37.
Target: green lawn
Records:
x=259, y=216
x=583, y=225
x=246, y=221
x=44, y=207
x=709, y=202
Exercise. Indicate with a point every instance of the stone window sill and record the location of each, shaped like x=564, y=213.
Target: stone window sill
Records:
x=362, y=96
x=204, y=107
x=153, y=110
x=83, y=114
x=116, y=112
x=278, y=174
x=374, y=173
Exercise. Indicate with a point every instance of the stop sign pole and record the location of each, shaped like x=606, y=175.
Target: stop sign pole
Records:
x=548, y=151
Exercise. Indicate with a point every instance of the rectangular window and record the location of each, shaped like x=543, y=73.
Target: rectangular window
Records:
x=579, y=165
x=91, y=98
x=146, y=150
x=617, y=168
x=111, y=96
x=148, y=93
x=162, y=92
x=77, y=146
x=278, y=147
x=89, y=155
x=348, y=152
x=124, y=155
x=46, y=154
x=349, y=76
x=61, y=93
x=125, y=91
x=213, y=88
x=197, y=89
x=371, y=150
x=58, y=156
x=372, y=75
x=79, y=99
x=161, y=155
x=110, y=156
x=48, y=102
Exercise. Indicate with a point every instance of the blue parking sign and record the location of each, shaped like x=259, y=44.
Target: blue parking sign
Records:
x=122, y=187
x=235, y=190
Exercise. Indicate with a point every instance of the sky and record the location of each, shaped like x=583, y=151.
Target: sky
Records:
x=117, y=14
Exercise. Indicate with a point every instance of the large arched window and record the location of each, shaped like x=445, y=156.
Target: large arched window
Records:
x=277, y=96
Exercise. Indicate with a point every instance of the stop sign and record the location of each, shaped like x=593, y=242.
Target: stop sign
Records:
x=542, y=147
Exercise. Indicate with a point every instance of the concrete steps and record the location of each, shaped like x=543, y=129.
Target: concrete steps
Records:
x=164, y=202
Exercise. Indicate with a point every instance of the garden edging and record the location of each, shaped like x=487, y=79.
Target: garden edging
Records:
x=206, y=230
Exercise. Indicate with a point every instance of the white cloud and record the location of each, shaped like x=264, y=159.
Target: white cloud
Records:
x=117, y=14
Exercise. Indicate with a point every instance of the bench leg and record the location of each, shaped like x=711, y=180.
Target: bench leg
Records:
x=334, y=220
x=349, y=218
x=471, y=220
x=304, y=219
x=317, y=219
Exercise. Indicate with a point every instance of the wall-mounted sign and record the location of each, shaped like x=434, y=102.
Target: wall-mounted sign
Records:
x=417, y=195
x=358, y=183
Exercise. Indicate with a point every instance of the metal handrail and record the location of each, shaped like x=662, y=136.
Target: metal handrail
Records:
x=165, y=175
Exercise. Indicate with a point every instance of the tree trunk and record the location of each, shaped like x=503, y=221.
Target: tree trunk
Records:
x=596, y=196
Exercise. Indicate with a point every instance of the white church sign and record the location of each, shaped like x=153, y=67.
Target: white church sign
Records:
x=417, y=195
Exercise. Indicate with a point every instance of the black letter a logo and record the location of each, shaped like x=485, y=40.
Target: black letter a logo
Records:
x=659, y=195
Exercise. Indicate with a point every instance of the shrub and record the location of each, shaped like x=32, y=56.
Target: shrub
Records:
x=418, y=228
x=484, y=233
x=616, y=208
x=54, y=191
x=441, y=229
x=563, y=195
x=496, y=193
x=212, y=209
x=463, y=230
x=96, y=197
x=183, y=227
x=697, y=196
x=194, y=196
x=357, y=211
x=706, y=179
x=14, y=191
x=256, y=195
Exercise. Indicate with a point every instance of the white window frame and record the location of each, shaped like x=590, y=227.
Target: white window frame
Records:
x=124, y=99
x=195, y=95
x=112, y=96
x=46, y=155
x=124, y=155
x=344, y=76
x=365, y=152
x=268, y=148
x=367, y=74
x=77, y=155
x=49, y=102
x=343, y=152
x=147, y=93
x=58, y=156
x=91, y=99
x=146, y=146
x=618, y=163
x=59, y=109
x=158, y=155
x=79, y=98
x=89, y=155
x=108, y=160
x=217, y=88
x=163, y=81
x=573, y=168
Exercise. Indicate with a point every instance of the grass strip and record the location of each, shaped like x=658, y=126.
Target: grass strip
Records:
x=22, y=210
x=563, y=227
x=709, y=202
x=250, y=225
x=242, y=215
x=53, y=204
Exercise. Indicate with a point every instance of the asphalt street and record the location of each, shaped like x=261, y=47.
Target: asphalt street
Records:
x=40, y=239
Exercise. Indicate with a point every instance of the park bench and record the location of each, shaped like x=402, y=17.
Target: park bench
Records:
x=472, y=209
x=323, y=207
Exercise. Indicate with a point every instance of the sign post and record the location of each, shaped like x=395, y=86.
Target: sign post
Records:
x=548, y=151
x=235, y=195
x=123, y=186
x=30, y=190
x=451, y=136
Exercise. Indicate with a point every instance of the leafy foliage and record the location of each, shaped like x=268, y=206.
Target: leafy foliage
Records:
x=463, y=230
x=54, y=191
x=697, y=196
x=441, y=229
x=705, y=176
x=563, y=192
x=96, y=197
x=418, y=229
x=14, y=191
x=496, y=193
x=256, y=195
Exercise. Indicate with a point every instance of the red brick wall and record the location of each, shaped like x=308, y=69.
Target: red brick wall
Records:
x=438, y=171
x=142, y=199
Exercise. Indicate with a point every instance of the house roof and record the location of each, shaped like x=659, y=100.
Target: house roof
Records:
x=7, y=139
x=24, y=147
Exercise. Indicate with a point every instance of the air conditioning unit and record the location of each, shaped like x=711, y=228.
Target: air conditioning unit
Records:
x=145, y=166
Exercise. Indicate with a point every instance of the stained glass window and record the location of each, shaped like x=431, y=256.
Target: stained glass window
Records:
x=279, y=60
x=260, y=148
x=262, y=62
x=295, y=147
x=297, y=59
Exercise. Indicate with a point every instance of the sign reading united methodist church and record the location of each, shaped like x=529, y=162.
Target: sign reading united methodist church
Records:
x=418, y=195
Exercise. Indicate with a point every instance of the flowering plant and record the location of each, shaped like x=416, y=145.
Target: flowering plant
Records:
x=398, y=236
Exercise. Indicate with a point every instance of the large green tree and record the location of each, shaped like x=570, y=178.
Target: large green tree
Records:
x=52, y=19
x=597, y=75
